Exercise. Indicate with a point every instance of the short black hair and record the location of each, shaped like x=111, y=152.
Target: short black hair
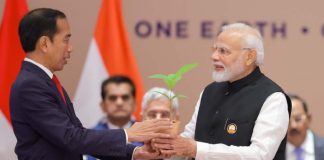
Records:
x=37, y=23
x=294, y=96
x=118, y=79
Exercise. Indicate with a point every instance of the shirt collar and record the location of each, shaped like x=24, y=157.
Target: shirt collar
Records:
x=112, y=126
x=307, y=145
x=46, y=70
x=252, y=77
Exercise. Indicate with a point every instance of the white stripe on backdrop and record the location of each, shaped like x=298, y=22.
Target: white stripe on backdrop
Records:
x=87, y=97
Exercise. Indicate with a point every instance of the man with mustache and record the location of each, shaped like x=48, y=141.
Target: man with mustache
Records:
x=156, y=105
x=302, y=144
x=118, y=104
x=243, y=114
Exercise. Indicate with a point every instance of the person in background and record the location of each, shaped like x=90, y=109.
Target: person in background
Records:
x=303, y=143
x=118, y=103
x=156, y=104
x=118, y=94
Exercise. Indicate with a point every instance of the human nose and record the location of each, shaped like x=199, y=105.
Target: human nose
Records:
x=293, y=123
x=119, y=100
x=158, y=116
x=215, y=55
x=70, y=48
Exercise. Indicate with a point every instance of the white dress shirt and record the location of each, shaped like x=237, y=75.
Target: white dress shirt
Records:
x=46, y=70
x=269, y=130
x=307, y=146
x=112, y=126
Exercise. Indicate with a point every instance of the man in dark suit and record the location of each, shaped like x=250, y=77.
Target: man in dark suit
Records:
x=118, y=94
x=303, y=143
x=43, y=118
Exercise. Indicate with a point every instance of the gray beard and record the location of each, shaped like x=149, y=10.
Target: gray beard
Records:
x=228, y=74
x=221, y=76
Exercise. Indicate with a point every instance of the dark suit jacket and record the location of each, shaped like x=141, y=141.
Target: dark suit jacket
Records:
x=319, y=147
x=47, y=128
x=104, y=125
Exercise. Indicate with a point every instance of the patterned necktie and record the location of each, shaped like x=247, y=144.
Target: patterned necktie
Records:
x=299, y=153
x=59, y=87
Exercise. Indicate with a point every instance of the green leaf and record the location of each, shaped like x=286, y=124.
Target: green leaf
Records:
x=186, y=68
x=158, y=76
x=167, y=96
x=173, y=97
x=172, y=80
x=163, y=77
x=181, y=96
x=178, y=96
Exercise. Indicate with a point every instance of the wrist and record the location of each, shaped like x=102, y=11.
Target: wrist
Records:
x=136, y=153
x=140, y=153
x=129, y=136
x=193, y=150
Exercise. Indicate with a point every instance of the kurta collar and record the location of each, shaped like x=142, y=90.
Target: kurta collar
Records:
x=252, y=77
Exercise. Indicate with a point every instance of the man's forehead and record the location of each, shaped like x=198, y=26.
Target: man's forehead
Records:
x=160, y=102
x=118, y=87
x=297, y=106
x=113, y=84
x=158, y=109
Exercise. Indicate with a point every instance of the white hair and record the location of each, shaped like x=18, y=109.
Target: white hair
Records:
x=252, y=38
x=155, y=94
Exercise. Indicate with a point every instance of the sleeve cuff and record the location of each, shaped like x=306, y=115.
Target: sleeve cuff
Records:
x=134, y=152
x=202, y=151
x=126, y=136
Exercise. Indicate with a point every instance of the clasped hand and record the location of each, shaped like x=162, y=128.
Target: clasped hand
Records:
x=175, y=145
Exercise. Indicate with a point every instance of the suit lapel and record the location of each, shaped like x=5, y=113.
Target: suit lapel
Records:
x=70, y=109
x=42, y=75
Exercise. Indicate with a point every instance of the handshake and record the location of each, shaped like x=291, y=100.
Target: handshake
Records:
x=160, y=140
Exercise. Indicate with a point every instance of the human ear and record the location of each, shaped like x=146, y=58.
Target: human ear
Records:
x=43, y=43
x=251, y=57
x=102, y=105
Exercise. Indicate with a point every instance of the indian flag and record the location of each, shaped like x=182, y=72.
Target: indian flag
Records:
x=11, y=56
x=109, y=54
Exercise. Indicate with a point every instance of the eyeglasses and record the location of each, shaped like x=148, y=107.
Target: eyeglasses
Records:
x=113, y=98
x=158, y=114
x=223, y=51
x=298, y=118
